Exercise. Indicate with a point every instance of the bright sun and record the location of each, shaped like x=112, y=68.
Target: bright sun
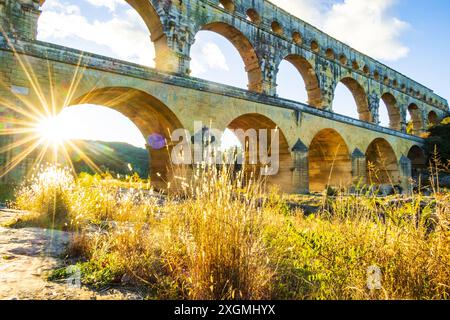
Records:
x=51, y=130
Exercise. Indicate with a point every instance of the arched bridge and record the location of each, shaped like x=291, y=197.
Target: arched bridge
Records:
x=317, y=146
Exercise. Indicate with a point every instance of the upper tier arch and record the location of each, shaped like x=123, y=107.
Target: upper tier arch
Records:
x=245, y=49
x=307, y=72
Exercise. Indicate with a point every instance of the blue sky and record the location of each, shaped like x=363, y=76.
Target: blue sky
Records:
x=408, y=35
x=428, y=40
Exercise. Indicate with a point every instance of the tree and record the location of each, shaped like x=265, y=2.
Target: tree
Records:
x=439, y=139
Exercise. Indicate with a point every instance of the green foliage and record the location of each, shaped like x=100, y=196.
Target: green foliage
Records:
x=7, y=192
x=96, y=273
x=439, y=138
x=114, y=157
x=410, y=127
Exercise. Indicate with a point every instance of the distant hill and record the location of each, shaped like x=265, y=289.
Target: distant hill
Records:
x=115, y=157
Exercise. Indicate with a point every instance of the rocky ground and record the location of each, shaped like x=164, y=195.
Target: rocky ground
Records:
x=26, y=255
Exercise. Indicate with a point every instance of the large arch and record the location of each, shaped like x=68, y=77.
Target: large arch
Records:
x=360, y=97
x=329, y=161
x=418, y=161
x=254, y=121
x=393, y=111
x=382, y=164
x=310, y=79
x=151, y=117
x=245, y=49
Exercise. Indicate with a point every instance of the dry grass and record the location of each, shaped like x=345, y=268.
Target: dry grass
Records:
x=222, y=239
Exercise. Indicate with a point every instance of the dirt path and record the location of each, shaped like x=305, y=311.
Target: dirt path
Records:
x=26, y=254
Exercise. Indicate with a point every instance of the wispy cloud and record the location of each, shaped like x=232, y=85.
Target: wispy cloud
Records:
x=124, y=36
x=209, y=58
x=110, y=4
x=368, y=26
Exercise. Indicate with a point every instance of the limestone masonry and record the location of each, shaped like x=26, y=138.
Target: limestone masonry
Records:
x=318, y=147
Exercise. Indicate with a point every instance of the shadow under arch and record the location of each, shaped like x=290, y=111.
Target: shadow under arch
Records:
x=254, y=121
x=417, y=122
x=418, y=161
x=310, y=79
x=382, y=163
x=360, y=97
x=151, y=117
x=393, y=111
x=245, y=49
x=329, y=161
x=433, y=118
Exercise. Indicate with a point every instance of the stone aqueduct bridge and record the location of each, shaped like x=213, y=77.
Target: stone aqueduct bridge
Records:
x=314, y=140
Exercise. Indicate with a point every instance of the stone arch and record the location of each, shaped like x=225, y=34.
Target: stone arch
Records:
x=297, y=37
x=416, y=119
x=256, y=121
x=418, y=161
x=245, y=49
x=329, y=53
x=433, y=118
x=315, y=46
x=310, y=78
x=227, y=5
x=382, y=163
x=253, y=16
x=277, y=28
x=360, y=97
x=151, y=117
x=148, y=13
x=329, y=161
x=393, y=111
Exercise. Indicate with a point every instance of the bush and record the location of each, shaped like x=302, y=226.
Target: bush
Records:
x=439, y=140
x=46, y=197
x=7, y=192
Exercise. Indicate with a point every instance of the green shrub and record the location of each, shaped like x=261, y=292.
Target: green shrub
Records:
x=439, y=140
x=7, y=192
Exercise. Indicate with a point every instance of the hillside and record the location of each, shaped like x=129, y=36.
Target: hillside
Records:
x=111, y=156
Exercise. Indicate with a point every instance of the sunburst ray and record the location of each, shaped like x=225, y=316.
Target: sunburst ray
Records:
x=28, y=124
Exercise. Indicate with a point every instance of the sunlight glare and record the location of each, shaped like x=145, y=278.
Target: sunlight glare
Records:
x=51, y=130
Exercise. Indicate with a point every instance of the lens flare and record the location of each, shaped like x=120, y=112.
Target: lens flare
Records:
x=32, y=132
x=51, y=130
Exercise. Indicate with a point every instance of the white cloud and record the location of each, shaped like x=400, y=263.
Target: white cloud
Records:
x=110, y=4
x=124, y=36
x=367, y=26
x=56, y=5
x=212, y=59
x=215, y=58
x=197, y=68
x=308, y=10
